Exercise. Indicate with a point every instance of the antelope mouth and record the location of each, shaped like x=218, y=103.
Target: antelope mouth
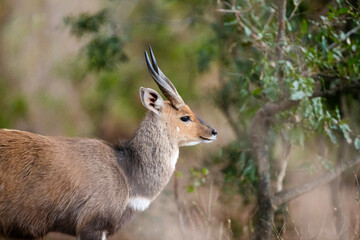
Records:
x=208, y=140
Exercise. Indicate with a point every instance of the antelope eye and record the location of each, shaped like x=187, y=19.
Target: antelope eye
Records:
x=185, y=118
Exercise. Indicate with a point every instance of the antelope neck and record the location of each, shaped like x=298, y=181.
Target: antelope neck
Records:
x=148, y=158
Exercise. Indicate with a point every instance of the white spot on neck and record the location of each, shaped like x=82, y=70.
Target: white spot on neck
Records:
x=174, y=158
x=139, y=203
x=178, y=129
x=103, y=237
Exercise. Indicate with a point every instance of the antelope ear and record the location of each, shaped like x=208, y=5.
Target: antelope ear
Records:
x=151, y=99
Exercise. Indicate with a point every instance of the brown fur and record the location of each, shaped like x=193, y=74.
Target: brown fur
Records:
x=58, y=184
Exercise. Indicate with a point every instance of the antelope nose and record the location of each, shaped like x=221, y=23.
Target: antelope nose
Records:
x=214, y=132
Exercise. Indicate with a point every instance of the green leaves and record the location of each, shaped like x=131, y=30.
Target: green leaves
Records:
x=104, y=50
x=14, y=105
x=301, y=87
x=357, y=143
x=240, y=171
x=304, y=27
x=199, y=177
x=247, y=31
x=86, y=23
x=345, y=129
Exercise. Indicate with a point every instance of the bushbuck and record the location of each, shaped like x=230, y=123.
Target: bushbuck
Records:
x=89, y=188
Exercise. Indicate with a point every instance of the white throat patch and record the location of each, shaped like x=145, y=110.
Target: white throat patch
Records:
x=139, y=203
x=103, y=237
x=174, y=158
x=191, y=143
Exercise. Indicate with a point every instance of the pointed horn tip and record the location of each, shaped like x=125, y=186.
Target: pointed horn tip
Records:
x=153, y=60
x=147, y=59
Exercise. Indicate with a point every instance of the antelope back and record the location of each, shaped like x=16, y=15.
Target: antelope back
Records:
x=57, y=184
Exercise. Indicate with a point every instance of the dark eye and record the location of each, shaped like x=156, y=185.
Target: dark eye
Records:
x=185, y=118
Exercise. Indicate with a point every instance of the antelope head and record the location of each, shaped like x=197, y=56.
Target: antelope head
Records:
x=180, y=121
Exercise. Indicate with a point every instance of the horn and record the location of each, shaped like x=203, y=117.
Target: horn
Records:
x=165, y=85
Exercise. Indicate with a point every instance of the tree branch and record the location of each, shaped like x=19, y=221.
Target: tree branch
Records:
x=335, y=90
x=280, y=42
x=348, y=34
x=281, y=29
x=259, y=132
x=297, y=4
x=288, y=195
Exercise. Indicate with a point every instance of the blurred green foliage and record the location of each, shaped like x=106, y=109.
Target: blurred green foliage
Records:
x=199, y=178
x=86, y=23
x=105, y=48
x=105, y=52
x=240, y=172
x=13, y=106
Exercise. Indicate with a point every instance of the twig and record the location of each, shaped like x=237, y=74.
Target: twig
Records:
x=190, y=222
x=280, y=42
x=242, y=19
x=293, y=223
x=227, y=10
x=297, y=4
x=322, y=226
x=283, y=163
x=357, y=224
x=261, y=44
x=221, y=231
x=335, y=197
x=268, y=21
x=180, y=208
x=281, y=230
x=210, y=202
x=209, y=215
x=230, y=232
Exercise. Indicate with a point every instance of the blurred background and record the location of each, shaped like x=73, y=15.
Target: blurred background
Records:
x=74, y=68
